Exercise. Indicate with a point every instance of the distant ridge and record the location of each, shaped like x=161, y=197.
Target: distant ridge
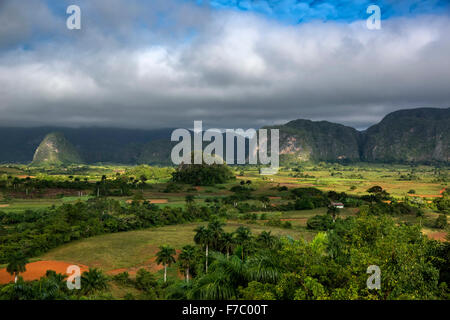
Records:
x=405, y=136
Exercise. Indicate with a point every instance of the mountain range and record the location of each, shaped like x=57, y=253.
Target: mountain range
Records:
x=406, y=136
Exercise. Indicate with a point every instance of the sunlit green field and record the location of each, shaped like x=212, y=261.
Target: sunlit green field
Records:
x=136, y=248
x=352, y=179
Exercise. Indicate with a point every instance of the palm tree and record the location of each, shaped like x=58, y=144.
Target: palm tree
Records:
x=204, y=237
x=16, y=264
x=222, y=282
x=263, y=267
x=265, y=201
x=186, y=259
x=165, y=256
x=227, y=275
x=216, y=228
x=266, y=239
x=243, y=236
x=333, y=211
x=189, y=199
x=93, y=280
x=227, y=242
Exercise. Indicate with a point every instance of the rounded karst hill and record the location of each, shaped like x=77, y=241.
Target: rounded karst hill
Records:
x=55, y=149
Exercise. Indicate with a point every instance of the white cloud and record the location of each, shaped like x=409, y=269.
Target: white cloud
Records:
x=237, y=70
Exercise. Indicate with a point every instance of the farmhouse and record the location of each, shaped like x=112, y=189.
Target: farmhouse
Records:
x=338, y=205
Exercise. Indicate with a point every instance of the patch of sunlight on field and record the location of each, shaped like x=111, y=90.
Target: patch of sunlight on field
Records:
x=128, y=249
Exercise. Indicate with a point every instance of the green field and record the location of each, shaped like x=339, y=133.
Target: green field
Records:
x=134, y=248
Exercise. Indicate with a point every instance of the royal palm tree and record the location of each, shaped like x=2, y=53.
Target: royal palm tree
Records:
x=189, y=199
x=216, y=228
x=333, y=211
x=16, y=264
x=243, y=236
x=165, y=256
x=265, y=201
x=204, y=237
x=227, y=242
x=186, y=259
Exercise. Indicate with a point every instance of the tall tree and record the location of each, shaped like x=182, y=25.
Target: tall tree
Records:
x=243, y=236
x=16, y=264
x=186, y=259
x=216, y=228
x=205, y=237
x=165, y=256
x=227, y=242
x=333, y=211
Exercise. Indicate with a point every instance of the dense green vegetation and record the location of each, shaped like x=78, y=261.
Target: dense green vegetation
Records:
x=35, y=232
x=243, y=245
x=202, y=174
x=332, y=266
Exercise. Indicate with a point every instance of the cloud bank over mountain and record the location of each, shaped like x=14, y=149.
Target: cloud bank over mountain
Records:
x=167, y=63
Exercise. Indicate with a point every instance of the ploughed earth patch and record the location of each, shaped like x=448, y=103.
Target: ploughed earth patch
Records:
x=440, y=236
x=36, y=270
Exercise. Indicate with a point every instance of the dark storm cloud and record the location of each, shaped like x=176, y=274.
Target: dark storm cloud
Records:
x=168, y=63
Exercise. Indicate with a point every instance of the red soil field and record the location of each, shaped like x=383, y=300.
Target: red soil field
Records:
x=426, y=195
x=4, y=205
x=158, y=200
x=440, y=236
x=36, y=270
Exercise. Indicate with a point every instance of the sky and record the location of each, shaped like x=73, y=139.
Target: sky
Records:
x=229, y=63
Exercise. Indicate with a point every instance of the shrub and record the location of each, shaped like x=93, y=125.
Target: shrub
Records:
x=122, y=278
x=441, y=222
x=145, y=280
x=320, y=222
x=172, y=188
x=287, y=225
